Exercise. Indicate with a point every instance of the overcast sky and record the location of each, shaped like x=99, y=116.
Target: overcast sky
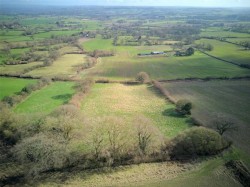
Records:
x=199, y=3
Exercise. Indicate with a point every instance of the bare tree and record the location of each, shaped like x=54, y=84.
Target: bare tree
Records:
x=144, y=133
x=224, y=124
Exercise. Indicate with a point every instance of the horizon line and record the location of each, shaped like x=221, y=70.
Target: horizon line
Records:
x=158, y=6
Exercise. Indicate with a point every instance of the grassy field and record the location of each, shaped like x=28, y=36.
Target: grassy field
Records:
x=13, y=36
x=10, y=86
x=46, y=99
x=230, y=98
x=13, y=52
x=106, y=44
x=228, y=51
x=128, y=102
x=98, y=43
x=55, y=33
x=125, y=66
x=18, y=69
x=223, y=34
x=62, y=66
x=210, y=173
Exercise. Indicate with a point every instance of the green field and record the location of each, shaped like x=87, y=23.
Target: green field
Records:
x=55, y=33
x=115, y=133
x=46, y=99
x=62, y=66
x=128, y=102
x=230, y=98
x=18, y=69
x=10, y=86
x=224, y=34
x=124, y=66
x=228, y=51
x=98, y=43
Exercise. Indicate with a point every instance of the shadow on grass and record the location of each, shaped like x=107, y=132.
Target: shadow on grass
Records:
x=63, y=97
x=171, y=112
x=155, y=91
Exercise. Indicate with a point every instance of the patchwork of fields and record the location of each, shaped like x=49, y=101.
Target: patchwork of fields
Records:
x=227, y=51
x=47, y=99
x=123, y=66
x=215, y=98
x=10, y=86
x=63, y=47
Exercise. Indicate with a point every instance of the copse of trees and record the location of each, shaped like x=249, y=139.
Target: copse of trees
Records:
x=205, y=46
x=142, y=77
x=198, y=141
x=42, y=152
x=183, y=107
x=47, y=143
x=102, y=53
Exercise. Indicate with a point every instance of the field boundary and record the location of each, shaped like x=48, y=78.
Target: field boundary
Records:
x=223, y=60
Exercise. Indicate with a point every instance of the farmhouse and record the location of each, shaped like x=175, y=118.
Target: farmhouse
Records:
x=187, y=52
x=152, y=53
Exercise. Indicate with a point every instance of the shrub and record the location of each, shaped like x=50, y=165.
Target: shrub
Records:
x=44, y=152
x=8, y=132
x=184, y=107
x=85, y=85
x=143, y=77
x=198, y=141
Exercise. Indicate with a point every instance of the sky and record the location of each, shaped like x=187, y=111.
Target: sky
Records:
x=193, y=3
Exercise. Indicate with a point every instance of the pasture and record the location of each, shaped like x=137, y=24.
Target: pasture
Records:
x=18, y=69
x=10, y=86
x=109, y=116
x=223, y=34
x=129, y=102
x=63, y=66
x=123, y=66
x=214, y=98
x=228, y=51
x=46, y=99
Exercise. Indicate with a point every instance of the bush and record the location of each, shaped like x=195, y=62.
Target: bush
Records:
x=198, y=141
x=142, y=77
x=85, y=85
x=44, y=152
x=9, y=134
x=184, y=107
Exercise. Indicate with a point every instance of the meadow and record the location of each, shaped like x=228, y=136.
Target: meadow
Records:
x=63, y=66
x=228, y=51
x=129, y=102
x=47, y=99
x=10, y=86
x=18, y=69
x=223, y=34
x=74, y=129
x=124, y=66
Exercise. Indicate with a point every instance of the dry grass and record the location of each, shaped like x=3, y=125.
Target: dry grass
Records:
x=125, y=175
x=127, y=102
x=65, y=65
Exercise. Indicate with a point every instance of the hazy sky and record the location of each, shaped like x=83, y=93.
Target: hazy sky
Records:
x=203, y=3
